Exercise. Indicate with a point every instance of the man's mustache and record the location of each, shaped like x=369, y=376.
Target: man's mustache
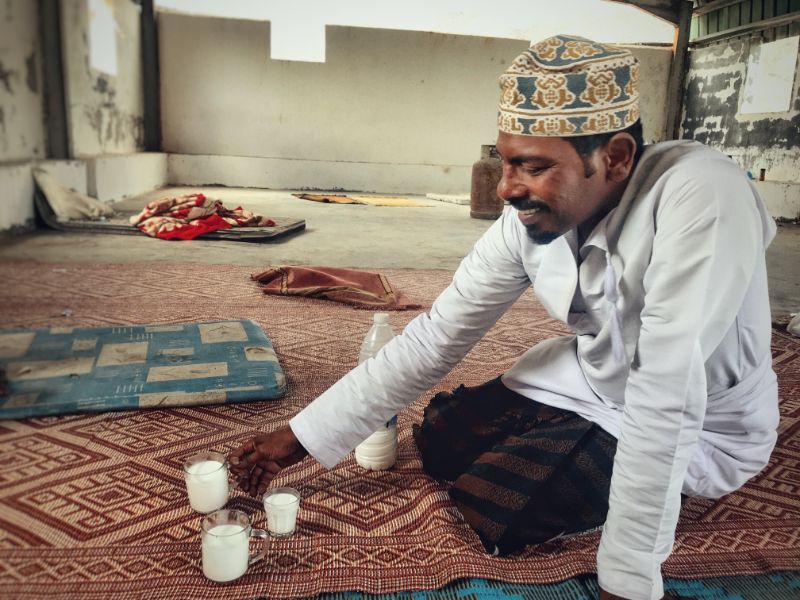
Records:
x=527, y=203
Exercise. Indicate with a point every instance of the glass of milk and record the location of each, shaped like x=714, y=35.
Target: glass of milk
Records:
x=207, y=481
x=225, y=545
x=280, y=505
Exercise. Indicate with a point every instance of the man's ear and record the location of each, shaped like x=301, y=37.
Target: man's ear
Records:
x=620, y=151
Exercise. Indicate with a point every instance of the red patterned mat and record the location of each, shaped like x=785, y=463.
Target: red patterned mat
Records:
x=95, y=506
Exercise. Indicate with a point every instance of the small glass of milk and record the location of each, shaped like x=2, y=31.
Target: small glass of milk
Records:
x=207, y=481
x=225, y=545
x=280, y=505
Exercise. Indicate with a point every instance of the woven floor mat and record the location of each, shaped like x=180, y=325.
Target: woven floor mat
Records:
x=95, y=505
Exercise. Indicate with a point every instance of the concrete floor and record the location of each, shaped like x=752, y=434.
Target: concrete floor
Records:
x=344, y=235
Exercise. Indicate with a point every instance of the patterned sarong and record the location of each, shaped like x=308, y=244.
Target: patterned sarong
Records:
x=522, y=472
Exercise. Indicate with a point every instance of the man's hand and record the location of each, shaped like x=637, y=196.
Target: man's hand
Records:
x=604, y=595
x=256, y=462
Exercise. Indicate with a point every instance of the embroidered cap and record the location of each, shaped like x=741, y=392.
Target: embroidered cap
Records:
x=569, y=86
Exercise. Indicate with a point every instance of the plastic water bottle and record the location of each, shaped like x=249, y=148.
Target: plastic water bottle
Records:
x=378, y=451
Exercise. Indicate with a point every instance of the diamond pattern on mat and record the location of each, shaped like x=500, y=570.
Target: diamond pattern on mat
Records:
x=138, y=432
x=351, y=501
x=782, y=478
x=745, y=541
x=255, y=415
x=790, y=404
x=50, y=422
x=322, y=335
x=93, y=566
x=17, y=539
x=29, y=458
x=369, y=557
x=99, y=501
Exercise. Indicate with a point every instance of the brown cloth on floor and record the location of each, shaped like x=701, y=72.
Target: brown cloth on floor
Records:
x=522, y=472
x=350, y=286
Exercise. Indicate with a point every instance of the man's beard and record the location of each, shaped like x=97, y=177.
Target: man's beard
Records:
x=541, y=237
x=534, y=233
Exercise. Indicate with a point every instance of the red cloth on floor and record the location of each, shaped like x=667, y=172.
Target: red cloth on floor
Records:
x=350, y=286
x=189, y=231
x=192, y=215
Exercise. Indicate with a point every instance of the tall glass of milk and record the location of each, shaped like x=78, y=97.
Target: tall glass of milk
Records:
x=225, y=545
x=206, y=481
x=280, y=505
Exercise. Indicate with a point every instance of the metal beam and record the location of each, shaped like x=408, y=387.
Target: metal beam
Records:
x=55, y=105
x=150, y=78
x=755, y=26
x=669, y=10
x=677, y=72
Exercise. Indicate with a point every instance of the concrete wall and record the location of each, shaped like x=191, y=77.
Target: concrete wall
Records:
x=713, y=95
x=116, y=176
x=389, y=111
x=105, y=112
x=781, y=198
x=22, y=136
x=655, y=64
x=21, y=101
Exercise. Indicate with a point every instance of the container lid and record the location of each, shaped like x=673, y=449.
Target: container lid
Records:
x=380, y=318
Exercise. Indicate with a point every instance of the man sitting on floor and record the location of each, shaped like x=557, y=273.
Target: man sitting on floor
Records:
x=654, y=257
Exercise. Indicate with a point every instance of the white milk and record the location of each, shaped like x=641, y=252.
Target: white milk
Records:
x=281, y=509
x=226, y=552
x=207, y=485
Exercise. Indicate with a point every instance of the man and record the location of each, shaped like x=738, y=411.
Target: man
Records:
x=654, y=257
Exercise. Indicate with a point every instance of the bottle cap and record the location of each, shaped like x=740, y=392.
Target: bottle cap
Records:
x=380, y=318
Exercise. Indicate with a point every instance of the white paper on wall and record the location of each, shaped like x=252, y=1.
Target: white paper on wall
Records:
x=769, y=85
x=102, y=36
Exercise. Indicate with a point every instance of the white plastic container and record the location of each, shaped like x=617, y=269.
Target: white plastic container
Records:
x=378, y=451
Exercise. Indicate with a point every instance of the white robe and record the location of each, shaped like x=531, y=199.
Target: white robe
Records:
x=687, y=388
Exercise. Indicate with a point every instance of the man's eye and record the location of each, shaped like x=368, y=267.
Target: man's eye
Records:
x=535, y=170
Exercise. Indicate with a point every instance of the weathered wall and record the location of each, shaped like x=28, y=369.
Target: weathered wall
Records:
x=654, y=65
x=389, y=111
x=714, y=85
x=21, y=101
x=105, y=112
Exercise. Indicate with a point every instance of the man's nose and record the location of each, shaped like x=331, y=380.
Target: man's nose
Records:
x=509, y=186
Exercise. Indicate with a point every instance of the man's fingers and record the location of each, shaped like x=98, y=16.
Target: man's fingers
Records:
x=269, y=473
x=238, y=467
x=236, y=456
x=245, y=456
x=255, y=478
